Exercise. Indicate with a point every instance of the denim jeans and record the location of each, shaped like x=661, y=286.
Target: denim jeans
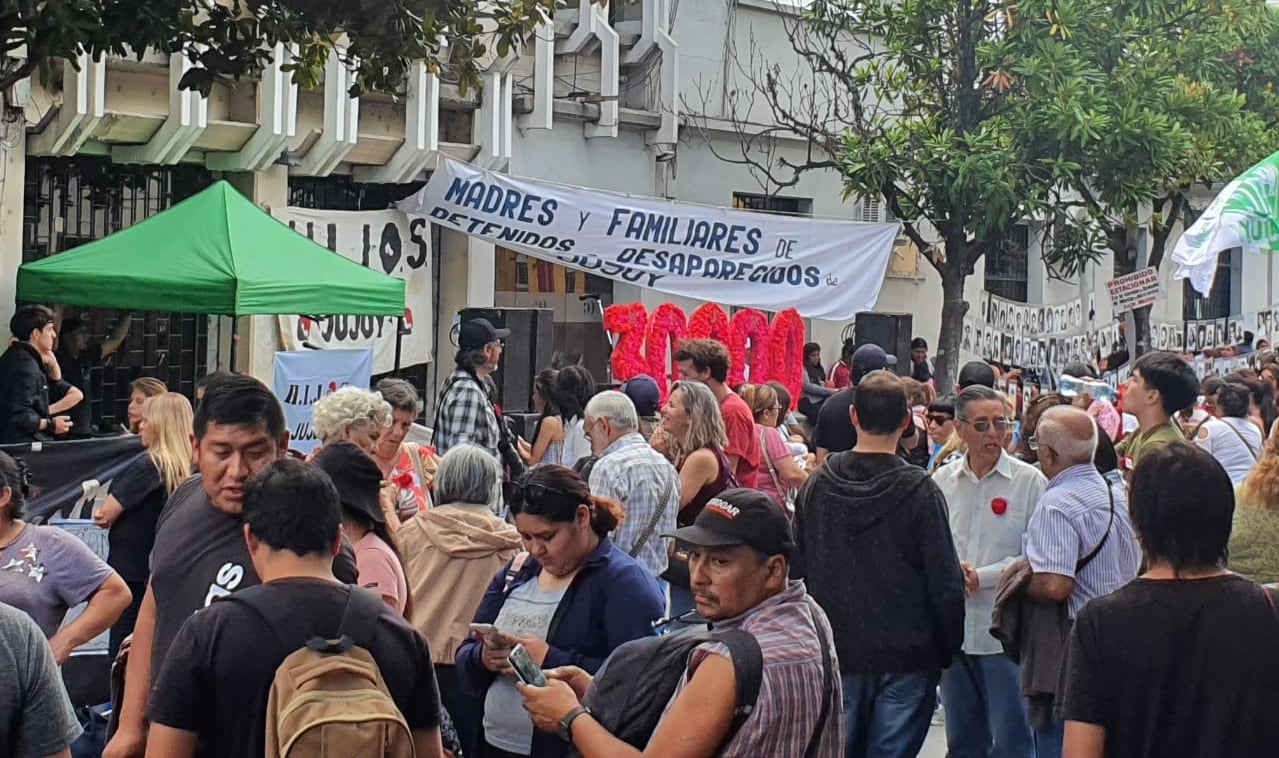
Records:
x=1048, y=739
x=985, y=712
x=887, y=715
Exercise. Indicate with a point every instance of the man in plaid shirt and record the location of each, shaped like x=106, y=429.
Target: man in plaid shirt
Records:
x=465, y=412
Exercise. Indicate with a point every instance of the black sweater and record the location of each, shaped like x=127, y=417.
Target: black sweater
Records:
x=874, y=546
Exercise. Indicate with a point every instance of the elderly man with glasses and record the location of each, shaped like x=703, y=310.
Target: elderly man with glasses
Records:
x=991, y=497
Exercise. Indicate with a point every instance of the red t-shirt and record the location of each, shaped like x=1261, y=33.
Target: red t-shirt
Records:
x=841, y=375
x=743, y=442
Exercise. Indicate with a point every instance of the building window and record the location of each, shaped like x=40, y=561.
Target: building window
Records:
x=1220, y=302
x=790, y=206
x=1007, y=267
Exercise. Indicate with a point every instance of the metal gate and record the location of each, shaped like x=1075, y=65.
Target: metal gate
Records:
x=71, y=201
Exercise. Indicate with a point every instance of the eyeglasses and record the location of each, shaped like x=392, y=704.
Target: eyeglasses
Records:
x=983, y=425
x=1032, y=442
x=940, y=419
x=777, y=408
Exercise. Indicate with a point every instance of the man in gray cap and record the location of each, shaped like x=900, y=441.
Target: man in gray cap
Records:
x=465, y=413
x=739, y=550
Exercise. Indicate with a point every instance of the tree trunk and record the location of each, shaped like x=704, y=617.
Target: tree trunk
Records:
x=953, y=309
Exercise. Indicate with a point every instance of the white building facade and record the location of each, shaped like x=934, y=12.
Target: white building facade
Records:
x=638, y=99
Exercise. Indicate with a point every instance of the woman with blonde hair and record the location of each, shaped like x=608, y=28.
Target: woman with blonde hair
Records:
x=780, y=473
x=140, y=391
x=1254, y=538
x=691, y=417
x=353, y=414
x=138, y=494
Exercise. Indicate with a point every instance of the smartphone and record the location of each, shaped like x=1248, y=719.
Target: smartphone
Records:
x=481, y=630
x=528, y=671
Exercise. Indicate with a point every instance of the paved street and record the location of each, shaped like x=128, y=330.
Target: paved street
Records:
x=935, y=745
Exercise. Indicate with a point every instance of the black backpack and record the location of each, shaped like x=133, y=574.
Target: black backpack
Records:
x=633, y=687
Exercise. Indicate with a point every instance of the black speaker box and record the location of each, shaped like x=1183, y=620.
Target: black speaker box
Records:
x=529, y=349
x=891, y=331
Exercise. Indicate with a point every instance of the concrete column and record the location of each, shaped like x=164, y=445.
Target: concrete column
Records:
x=259, y=336
x=13, y=168
x=467, y=280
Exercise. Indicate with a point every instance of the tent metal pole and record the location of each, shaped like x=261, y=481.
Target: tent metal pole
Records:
x=399, y=336
x=235, y=337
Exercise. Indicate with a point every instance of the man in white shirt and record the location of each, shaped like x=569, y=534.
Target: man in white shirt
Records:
x=991, y=497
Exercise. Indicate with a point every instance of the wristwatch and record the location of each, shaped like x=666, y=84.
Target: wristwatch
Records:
x=566, y=723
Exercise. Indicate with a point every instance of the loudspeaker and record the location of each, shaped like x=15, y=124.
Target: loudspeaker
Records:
x=891, y=331
x=529, y=349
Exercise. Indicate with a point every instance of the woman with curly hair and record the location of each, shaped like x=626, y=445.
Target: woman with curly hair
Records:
x=353, y=414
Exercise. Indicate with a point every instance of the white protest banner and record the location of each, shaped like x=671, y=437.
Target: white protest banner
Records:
x=303, y=377
x=823, y=268
x=387, y=241
x=1135, y=290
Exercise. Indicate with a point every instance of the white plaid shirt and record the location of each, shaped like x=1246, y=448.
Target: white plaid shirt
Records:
x=465, y=414
x=632, y=472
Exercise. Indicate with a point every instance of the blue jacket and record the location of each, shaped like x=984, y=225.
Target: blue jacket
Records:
x=613, y=599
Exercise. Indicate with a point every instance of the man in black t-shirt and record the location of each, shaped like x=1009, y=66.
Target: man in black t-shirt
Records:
x=200, y=553
x=213, y=690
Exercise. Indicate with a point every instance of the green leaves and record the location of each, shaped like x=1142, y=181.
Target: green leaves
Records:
x=233, y=41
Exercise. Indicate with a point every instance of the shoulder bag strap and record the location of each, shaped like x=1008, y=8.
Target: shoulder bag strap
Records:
x=768, y=459
x=828, y=686
x=1087, y=559
x=651, y=526
x=1242, y=439
x=513, y=570
x=415, y=455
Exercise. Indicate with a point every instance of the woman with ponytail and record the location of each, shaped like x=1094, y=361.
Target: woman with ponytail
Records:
x=45, y=570
x=570, y=600
x=138, y=494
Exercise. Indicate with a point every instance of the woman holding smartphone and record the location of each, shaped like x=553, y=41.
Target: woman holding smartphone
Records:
x=571, y=599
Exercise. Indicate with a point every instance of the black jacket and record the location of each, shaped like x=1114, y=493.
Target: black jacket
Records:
x=24, y=394
x=874, y=546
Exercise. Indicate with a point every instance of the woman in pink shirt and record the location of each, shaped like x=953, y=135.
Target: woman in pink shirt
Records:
x=377, y=560
x=779, y=472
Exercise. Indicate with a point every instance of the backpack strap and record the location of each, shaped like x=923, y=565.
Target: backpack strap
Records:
x=748, y=674
x=514, y=569
x=828, y=685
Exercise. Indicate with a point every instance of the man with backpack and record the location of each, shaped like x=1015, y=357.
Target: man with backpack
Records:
x=764, y=681
x=199, y=552
x=300, y=665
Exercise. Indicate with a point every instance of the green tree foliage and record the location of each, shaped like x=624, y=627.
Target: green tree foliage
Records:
x=232, y=39
x=971, y=116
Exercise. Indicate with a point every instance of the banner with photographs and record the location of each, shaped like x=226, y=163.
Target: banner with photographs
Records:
x=1034, y=336
x=1033, y=320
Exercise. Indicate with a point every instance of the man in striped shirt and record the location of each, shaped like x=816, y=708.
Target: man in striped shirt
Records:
x=1080, y=512
x=738, y=562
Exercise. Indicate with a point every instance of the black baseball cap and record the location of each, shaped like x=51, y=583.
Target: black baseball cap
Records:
x=357, y=477
x=478, y=332
x=976, y=372
x=740, y=517
x=868, y=358
x=643, y=392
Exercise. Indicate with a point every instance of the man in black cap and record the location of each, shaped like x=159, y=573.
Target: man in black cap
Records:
x=974, y=373
x=834, y=432
x=465, y=412
x=739, y=550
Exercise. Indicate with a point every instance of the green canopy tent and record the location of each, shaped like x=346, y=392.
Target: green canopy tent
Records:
x=214, y=253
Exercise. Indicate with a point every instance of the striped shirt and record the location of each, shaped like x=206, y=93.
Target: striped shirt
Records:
x=633, y=473
x=790, y=695
x=1070, y=522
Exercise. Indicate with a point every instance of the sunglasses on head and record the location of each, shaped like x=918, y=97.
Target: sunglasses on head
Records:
x=517, y=493
x=983, y=425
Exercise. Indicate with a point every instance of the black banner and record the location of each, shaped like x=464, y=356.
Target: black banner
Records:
x=69, y=479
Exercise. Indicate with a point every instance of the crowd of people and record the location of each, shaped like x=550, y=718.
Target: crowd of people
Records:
x=1070, y=572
